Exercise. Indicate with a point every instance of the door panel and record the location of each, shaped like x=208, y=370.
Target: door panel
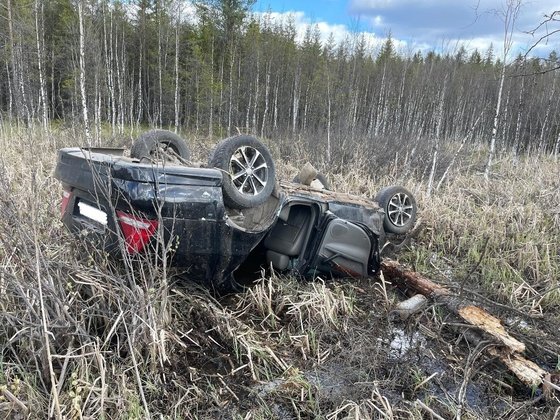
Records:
x=345, y=248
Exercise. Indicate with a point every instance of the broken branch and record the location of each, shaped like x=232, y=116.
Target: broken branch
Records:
x=507, y=348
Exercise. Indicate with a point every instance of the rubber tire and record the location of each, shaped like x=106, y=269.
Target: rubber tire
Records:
x=147, y=144
x=383, y=198
x=220, y=158
x=320, y=177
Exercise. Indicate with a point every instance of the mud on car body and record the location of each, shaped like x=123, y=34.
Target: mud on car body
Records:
x=227, y=219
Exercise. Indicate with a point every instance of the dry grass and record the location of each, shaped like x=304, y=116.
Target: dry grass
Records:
x=84, y=337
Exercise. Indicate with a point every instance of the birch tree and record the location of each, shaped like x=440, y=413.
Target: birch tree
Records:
x=176, y=96
x=509, y=16
x=39, y=37
x=82, y=63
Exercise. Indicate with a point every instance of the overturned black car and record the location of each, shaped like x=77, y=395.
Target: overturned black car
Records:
x=225, y=219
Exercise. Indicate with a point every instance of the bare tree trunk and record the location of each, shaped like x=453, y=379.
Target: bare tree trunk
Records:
x=295, y=103
x=176, y=102
x=121, y=83
x=276, y=88
x=197, y=103
x=266, y=99
x=328, y=117
x=109, y=58
x=140, y=99
x=230, y=99
x=10, y=92
x=160, y=85
x=16, y=93
x=97, y=110
x=439, y=124
x=238, y=90
x=542, y=140
x=517, y=135
x=112, y=59
x=380, y=103
x=492, y=150
x=83, y=73
x=307, y=99
x=211, y=116
x=354, y=114
x=42, y=88
x=556, y=148
x=221, y=101
x=248, y=113
x=510, y=16
x=504, y=117
x=371, y=118
x=131, y=105
x=401, y=100
x=456, y=154
x=256, y=103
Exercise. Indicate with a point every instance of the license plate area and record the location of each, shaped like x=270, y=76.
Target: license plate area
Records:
x=91, y=214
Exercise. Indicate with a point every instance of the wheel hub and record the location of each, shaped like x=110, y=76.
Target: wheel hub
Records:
x=399, y=209
x=248, y=170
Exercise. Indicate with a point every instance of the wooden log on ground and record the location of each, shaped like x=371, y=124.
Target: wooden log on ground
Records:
x=507, y=348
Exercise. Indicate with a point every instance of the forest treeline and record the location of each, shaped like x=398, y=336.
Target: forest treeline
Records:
x=217, y=68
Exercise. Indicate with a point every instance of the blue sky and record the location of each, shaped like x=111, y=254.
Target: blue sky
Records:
x=442, y=25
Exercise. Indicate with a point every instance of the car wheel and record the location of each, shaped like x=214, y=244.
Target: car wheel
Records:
x=251, y=175
x=159, y=144
x=400, y=209
x=320, y=177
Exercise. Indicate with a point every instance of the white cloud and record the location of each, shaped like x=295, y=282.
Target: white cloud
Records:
x=367, y=5
x=378, y=21
x=301, y=22
x=440, y=23
x=372, y=4
x=340, y=33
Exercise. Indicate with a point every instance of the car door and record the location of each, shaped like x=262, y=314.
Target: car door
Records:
x=345, y=249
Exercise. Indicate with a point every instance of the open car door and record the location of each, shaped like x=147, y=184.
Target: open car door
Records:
x=346, y=249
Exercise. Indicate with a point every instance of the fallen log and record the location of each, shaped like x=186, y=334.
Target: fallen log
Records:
x=506, y=348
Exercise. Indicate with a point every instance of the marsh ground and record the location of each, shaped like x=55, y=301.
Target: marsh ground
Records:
x=86, y=338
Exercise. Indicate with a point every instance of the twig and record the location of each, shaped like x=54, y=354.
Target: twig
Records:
x=137, y=372
x=428, y=409
x=62, y=375
x=525, y=405
x=425, y=381
x=102, y=373
x=494, y=303
x=8, y=395
x=46, y=331
x=469, y=367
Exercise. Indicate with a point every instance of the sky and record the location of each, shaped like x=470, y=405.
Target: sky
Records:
x=439, y=25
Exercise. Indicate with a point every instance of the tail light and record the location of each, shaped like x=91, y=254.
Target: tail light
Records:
x=137, y=231
x=66, y=194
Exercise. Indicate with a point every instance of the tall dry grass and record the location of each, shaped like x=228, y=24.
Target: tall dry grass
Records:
x=82, y=336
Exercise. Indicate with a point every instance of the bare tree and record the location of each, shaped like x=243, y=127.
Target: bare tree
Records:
x=509, y=16
x=437, y=139
x=548, y=20
x=108, y=50
x=15, y=91
x=83, y=72
x=176, y=101
x=39, y=37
